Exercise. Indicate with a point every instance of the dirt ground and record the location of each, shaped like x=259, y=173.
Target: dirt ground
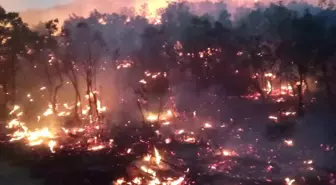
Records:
x=10, y=175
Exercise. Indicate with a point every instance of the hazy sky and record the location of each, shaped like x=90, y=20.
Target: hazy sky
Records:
x=22, y=5
x=43, y=10
x=19, y=5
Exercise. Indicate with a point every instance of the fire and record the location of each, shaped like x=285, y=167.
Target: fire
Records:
x=147, y=158
x=178, y=181
x=49, y=111
x=37, y=134
x=289, y=181
x=269, y=87
x=289, y=142
x=14, y=123
x=164, y=116
x=16, y=107
x=207, y=125
x=120, y=181
x=102, y=21
x=125, y=64
x=48, y=136
x=178, y=132
x=274, y=118
x=96, y=148
x=143, y=81
x=151, y=167
x=308, y=162
x=52, y=145
x=288, y=113
x=157, y=156
x=36, y=137
x=227, y=152
x=148, y=170
x=189, y=139
x=33, y=138
x=152, y=117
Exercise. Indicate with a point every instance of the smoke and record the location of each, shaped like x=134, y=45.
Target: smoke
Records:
x=127, y=38
x=84, y=7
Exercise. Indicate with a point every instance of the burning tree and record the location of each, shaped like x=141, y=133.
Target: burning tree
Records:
x=88, y=52
x=70, y=69
x=44, y=54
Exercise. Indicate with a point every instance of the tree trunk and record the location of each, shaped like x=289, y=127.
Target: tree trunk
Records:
x=73, y=78
x=13, y=80
x=3, y=108
x=77, y=100
x=300, y=95
x=88, y=92
x=327, y=84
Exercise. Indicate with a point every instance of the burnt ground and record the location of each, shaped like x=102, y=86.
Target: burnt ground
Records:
x=19, y=166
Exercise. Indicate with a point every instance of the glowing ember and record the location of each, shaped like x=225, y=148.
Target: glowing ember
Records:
x=157, y=156
x=52, y=145
x=190, y=139
x=289, y=142
x=102, y=21
x=207, y=125
x=227, y=152
x=274, y=118
x=179, y=132
x=164, y=116
x=96, y=148
x=289, y=181
x=148, y=170
x=16, y=107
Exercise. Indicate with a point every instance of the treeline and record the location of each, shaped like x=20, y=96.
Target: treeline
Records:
x=210, y=49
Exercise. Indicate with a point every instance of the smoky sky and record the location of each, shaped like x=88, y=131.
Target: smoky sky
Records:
x=35, y=11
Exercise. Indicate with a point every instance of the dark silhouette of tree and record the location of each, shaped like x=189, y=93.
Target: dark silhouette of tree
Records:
x=325, y=48
x=15, y=38
x=213, y=47
x=45, y=52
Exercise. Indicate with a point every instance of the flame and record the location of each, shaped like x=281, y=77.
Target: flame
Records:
x=120, y=181
x=147, y=158
x=49, y=111
x=102, y=21
x=96, y=148
x=47, y=137
x=178, y=132
x=273, y=118
x=153, y=117
x=178, y=181
x=289, y=181
x=157, y=156
x=16, y=107
x=148, y=170
x=227, y=152
x=269, y=87
x=189, y=139
x=52, y=145
x=289, y=142
x=207, y=125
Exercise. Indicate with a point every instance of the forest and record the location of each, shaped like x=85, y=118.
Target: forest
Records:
x=70, y=85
